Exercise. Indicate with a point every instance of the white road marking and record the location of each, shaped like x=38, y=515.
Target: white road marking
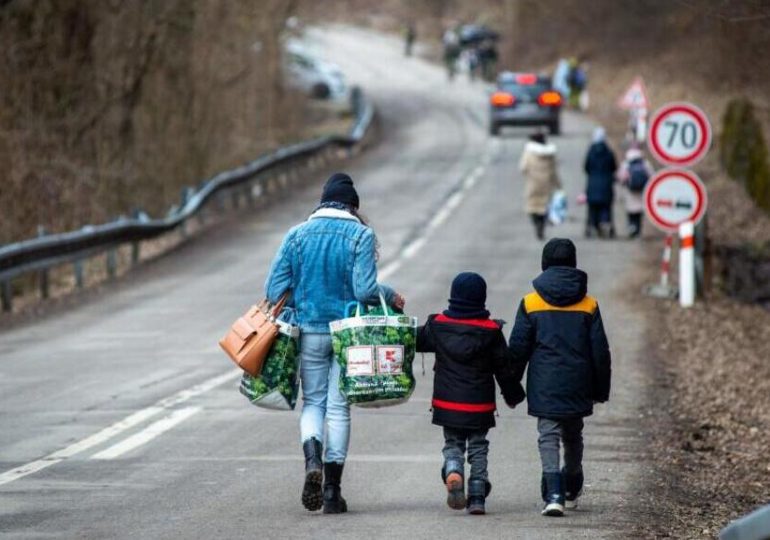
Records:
x=147, y=434
x=365, y=458
x=117, y=428
x=438, y=219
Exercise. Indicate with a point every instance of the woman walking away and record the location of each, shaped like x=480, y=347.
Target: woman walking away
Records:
x=326, y=262
x=538, y=165
x=633, y=175
x=600, y=166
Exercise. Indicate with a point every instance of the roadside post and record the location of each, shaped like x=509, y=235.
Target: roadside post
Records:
x=686, y=264
x=675, y=198
x=634, y=100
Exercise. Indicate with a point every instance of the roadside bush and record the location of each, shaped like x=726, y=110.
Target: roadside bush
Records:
x=743, y=151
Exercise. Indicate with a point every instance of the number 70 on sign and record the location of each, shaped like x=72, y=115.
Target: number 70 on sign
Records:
x=680, y=134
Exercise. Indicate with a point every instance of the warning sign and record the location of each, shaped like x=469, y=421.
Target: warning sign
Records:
x=635, y=97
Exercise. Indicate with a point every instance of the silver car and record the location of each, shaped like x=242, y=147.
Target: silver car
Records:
x=524, y=99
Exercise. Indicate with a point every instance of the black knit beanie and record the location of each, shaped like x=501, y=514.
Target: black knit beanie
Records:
x=339, y=188
x=468, y=296
x=559, y=252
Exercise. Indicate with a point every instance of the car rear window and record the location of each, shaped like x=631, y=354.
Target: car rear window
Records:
x=519, y=90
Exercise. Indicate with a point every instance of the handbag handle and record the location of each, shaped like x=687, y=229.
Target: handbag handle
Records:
x=276, y=308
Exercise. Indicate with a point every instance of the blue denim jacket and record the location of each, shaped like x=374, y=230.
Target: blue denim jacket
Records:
x=327, y=262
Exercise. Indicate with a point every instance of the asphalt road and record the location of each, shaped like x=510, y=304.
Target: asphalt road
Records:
x=121, y=418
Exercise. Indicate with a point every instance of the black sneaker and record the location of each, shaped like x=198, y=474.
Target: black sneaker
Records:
x=553, y=495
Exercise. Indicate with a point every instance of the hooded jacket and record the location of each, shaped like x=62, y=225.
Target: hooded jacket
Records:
x=538, y=164
x=560, y=335
x=600, y=166
x=470, y=355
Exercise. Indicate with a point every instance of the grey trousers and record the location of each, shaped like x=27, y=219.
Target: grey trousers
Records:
x=570, y=433
x=456, y=441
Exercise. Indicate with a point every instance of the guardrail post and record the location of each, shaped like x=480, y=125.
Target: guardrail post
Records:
x=77, y=269
x=43, y=274
x=112, y=263
x=248, y=193
x=6, y=296
x=136, y=245
x=234, y=197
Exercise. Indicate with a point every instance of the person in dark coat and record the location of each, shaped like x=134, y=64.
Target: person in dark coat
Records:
x=470, y=354
x=600, y=166
x=559, y=334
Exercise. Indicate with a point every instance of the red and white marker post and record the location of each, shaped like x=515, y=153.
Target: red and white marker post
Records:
x=687, y=264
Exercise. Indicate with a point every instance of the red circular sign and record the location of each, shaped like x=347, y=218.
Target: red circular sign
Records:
x=680, y=134
x=674, y=196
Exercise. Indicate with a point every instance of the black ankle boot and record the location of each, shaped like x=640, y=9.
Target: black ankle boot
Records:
x=333, y=502
x=312, y=494
x=573, y=487
x=478, y=491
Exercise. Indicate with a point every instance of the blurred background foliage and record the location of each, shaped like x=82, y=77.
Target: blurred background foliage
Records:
x=108, y=105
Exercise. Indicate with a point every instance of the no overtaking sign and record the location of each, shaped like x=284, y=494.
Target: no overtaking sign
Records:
x=674, y=196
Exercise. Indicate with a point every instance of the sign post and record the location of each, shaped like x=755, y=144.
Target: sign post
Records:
x=634, y=100
x=675, y=198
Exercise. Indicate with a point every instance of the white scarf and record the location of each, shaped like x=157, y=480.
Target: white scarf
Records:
x=332, y=213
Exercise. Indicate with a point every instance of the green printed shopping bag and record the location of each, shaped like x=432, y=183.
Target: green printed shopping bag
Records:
x=375, y=350
x=278, y=384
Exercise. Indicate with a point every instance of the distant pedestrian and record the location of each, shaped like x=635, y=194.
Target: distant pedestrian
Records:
x=577, y=80
x=633, y=175
x=538, y=165
x=410, y=36
x=560, y=335
x=470, y=354
x=324, y=263
x=600, y=166
x=452, y=50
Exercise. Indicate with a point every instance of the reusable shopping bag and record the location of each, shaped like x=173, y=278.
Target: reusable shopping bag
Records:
x=277, y=385
x=375, y=349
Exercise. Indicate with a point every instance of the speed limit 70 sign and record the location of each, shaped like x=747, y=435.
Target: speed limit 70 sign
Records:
x=680, y=134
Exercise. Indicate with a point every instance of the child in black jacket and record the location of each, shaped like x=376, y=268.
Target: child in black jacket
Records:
x=470, y=353
x=559, y=333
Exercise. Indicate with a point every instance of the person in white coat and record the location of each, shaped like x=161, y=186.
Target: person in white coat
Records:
x=539, y=167
x=632, y=176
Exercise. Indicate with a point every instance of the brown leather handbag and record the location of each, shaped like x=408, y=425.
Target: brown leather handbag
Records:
x=251, y=336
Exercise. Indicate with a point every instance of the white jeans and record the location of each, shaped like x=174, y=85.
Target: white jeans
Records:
x=322, y=400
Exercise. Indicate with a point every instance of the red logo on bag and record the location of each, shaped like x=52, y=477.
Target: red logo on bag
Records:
x=390, y=359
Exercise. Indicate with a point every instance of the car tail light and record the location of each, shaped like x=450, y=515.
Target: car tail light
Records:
x=526, y=78
x=502, y=99
x=549, y=99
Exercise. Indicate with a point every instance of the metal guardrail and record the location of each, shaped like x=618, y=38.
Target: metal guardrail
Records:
x=42, y=253
x=754, y=526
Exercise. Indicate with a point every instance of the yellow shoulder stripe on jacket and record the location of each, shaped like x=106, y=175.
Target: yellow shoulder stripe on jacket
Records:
x=533, y=302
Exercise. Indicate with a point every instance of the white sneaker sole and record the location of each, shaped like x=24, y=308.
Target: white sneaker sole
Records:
x=571, y=505
x=553, y=510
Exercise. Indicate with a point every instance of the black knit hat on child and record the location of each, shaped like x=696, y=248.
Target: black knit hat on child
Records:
x=468, y=297
x=339, y=188
x=559, y=252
